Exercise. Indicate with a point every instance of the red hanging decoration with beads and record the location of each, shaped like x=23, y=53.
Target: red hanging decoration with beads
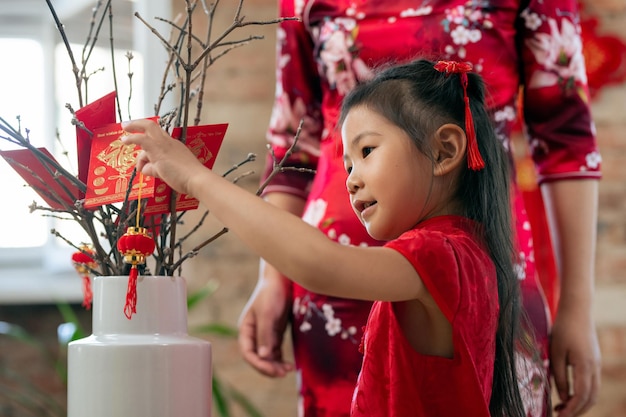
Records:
x=135, y=245
x=84, y=262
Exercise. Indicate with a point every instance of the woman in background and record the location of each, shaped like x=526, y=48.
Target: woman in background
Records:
x=535, y=44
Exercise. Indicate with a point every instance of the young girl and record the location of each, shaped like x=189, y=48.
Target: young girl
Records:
x=426, y=174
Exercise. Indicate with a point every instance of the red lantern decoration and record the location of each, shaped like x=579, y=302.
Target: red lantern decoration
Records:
x=135, y=245
x=84, y=263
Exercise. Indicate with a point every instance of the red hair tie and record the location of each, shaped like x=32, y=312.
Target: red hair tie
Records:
x=474, y=160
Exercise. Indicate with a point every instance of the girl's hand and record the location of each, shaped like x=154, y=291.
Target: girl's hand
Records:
x=161, y=155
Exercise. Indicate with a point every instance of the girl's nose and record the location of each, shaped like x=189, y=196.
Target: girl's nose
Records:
x=353, y=183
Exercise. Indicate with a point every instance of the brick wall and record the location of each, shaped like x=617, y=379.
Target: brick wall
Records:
x=610, y=313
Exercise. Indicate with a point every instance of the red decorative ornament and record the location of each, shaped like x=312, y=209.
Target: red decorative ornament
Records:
x=135, y=245
x=474, y=159
x=84, y=263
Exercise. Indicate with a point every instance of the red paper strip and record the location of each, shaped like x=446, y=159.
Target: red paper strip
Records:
x=40, y=176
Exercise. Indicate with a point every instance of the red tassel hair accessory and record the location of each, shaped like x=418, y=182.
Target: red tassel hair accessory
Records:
x=135, y=246
x=474, y=159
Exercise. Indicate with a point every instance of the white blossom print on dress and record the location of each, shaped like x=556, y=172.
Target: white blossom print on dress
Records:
x=308, y=310
x=465, y=26
x=532, y=383
x=560, y=52
x=341, y=67
x=593, y=160
x=315, y=212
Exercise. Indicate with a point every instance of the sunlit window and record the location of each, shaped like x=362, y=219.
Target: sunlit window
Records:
x=36, y=83
x=24, y=98
x=21, y=86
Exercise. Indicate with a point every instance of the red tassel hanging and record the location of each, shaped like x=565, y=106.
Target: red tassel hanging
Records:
x=135, y=245
x=130, y=307
x=83, y=263
x=87, y=293
x=474, y=159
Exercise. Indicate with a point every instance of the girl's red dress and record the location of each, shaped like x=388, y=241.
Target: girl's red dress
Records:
x=395, y=380
x=533, y=43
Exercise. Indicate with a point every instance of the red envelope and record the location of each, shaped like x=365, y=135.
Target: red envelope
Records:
x=111, y=165
x=204, y=141
x=94, y=115
x=40, y=176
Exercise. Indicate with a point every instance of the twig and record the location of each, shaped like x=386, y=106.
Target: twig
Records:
x=48, y=192
x=278, y=166
x=242, y=176
x=112, y=50
x=180, y=29
x=20, y=140
x=129, y=57
x=195, y=250
x=193, y=230
x=156, y=33
x=66, y=42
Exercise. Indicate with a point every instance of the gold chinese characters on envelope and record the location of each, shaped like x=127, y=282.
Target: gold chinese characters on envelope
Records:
x=111, y=165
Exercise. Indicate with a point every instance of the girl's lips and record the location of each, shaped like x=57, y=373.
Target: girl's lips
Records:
x=363, y=207
x=369, y=207
x=358, y=205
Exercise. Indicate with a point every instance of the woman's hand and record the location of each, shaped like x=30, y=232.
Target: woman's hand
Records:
x=575, y=345
x=263, y=323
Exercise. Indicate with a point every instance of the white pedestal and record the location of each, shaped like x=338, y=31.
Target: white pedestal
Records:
x=147, y=366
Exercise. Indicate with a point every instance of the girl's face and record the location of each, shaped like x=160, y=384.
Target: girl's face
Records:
x=390, y=182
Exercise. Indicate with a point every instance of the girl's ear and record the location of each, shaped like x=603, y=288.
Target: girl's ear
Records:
x=449, y=147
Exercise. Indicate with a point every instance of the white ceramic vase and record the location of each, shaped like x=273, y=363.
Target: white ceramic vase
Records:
x=146, y=366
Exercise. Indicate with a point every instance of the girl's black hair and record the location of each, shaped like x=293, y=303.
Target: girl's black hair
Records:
x=419, y=99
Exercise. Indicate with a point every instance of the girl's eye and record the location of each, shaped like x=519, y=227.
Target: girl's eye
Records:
x=367, y=150
x=348, y=169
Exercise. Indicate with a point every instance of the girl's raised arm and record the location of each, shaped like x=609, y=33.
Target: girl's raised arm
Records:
x=297, y=249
